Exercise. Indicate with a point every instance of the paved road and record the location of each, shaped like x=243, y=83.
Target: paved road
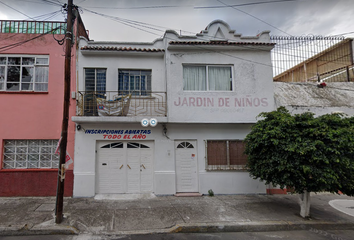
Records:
x=312, y=234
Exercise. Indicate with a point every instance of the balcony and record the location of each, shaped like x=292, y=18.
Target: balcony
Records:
x=112, y=104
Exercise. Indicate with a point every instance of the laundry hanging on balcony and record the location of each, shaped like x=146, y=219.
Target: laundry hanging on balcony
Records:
x=117, y=107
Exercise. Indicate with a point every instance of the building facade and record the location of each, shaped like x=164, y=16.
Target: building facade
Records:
x=32, y=94
x=169, y=116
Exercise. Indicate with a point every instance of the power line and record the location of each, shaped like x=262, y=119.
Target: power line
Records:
x=16, y=10
x=41, y=2
x=245, y=4
x=53, y=3
x=254, y=17
x=146, y=7
x=14, y=45
x=138, y=25
x=128, y=24
x=183, y=6
x=50, y=15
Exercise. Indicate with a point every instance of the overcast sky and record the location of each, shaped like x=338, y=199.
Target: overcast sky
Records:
x=153, y=17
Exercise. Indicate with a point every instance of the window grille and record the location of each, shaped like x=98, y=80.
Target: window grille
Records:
x=135, y=82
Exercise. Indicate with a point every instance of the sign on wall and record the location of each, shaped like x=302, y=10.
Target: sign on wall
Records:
x=120, y=134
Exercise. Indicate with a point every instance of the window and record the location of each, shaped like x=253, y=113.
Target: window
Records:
x=24, y=73
x=30, y=154
x=95, y=80
x=225, y=155
x=136, y=145
x=207, y=78
x=185, y=145
x=113, y=145
x=95, y=87
x=136, y=82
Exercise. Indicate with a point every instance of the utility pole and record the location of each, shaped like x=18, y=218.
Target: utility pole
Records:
x=64, y=128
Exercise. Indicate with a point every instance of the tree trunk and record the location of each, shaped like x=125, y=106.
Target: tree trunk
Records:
x=304, y=201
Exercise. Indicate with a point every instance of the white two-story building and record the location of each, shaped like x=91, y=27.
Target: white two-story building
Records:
x=204, y=92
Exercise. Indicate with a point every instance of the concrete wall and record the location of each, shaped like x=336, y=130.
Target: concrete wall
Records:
x=34, y=115
x=307, y=97
x=117, y=60
x=196, y=115
x=252, y=87
x=222, y=182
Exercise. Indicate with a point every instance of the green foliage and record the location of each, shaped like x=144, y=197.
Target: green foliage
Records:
x=211, y=193
x=302, y=151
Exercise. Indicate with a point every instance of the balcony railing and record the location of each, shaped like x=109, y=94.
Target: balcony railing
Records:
x=34, y=27
x=112, y=103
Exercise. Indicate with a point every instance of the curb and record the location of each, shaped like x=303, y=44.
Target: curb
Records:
x=46, y=228
x=50, y=228
x=264, y=226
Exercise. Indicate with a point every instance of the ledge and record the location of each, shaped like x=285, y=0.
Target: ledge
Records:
x=22, y=92
x=29, y=170
x=112, y=119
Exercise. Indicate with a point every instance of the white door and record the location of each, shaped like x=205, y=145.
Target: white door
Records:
x=139, y=163
x=146, y=168
x=186, y=166
x=124, y=167
x=110, y=167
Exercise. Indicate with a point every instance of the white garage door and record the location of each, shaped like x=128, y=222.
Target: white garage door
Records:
x=124, y=167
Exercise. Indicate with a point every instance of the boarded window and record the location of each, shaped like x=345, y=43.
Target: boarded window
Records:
x=225, y=155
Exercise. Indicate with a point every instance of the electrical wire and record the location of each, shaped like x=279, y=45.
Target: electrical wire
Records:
x=183, y=6
x=41, y=2
x=254, y=17
x=50, y=15
x=14, y=45
x=16, y=10
x=245, y=4
x=140, y=25
x=53, y=3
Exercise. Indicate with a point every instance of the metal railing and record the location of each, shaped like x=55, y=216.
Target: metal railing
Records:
x=312, y=59
x=127, y=104
x=34, y=27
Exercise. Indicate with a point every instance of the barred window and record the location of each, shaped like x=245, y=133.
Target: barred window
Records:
x=134, y=81
x=24, y=73
x=30, y=154
x=225, y=155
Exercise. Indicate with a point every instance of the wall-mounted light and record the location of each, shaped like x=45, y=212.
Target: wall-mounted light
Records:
x=78, y=127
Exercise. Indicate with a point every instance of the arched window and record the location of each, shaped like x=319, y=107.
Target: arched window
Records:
x=185, y=145
x=136, y=145
x=113, y=145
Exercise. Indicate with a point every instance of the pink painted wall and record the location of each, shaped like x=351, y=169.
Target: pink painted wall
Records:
x=37, y=115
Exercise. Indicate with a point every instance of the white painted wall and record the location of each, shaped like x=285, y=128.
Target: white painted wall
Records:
x=252, y=91
x=252, y=83
x=112, y=61
x=222, y=182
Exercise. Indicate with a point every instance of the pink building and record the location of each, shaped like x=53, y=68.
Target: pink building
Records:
x=32, y=93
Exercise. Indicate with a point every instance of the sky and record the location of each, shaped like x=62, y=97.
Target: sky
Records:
x=146, y=20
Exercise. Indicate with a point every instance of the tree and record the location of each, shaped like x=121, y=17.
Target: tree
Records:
x=307, y=153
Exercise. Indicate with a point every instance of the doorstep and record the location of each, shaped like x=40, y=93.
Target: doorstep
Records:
x=191, y=194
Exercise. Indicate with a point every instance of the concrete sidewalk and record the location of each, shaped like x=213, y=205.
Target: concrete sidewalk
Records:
x=29, y=216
